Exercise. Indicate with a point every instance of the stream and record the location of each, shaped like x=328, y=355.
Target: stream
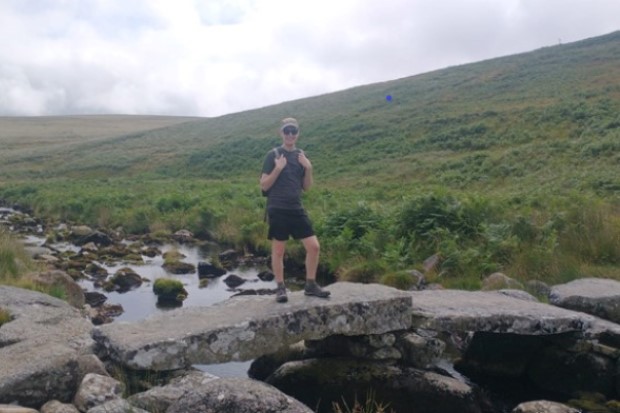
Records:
x=141, y=302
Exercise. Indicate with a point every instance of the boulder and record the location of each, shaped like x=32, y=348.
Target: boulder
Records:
x=41, y=348
x=73, y=293
x=54, y=406
x=321, y=382
x=124, y=279
x=499, y=281
x=489, y=311
x=96, y=389
x=237, y=395
x=596, y=296
x=160, y=398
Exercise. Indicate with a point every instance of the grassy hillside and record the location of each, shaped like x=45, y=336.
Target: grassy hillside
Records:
x=519, y=156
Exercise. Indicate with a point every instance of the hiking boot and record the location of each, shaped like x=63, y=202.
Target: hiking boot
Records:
x=312, y=288
x=281, y=294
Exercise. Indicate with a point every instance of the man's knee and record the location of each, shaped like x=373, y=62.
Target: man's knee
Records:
x=312, y=246
x=277, y=249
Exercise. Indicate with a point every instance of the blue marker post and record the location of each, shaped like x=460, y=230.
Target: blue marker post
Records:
x=388, y=98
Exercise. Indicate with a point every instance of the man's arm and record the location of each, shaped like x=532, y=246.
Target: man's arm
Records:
x=308, y=178
x=267, y=180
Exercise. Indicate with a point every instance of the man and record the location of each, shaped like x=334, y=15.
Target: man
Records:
x=287, y=172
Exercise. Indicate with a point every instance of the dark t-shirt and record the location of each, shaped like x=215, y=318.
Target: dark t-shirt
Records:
x=285, y=193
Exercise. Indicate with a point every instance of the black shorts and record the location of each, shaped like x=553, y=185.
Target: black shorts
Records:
x=285, y=223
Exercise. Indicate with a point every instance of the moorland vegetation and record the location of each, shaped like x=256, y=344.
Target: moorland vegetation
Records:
x=510, y=164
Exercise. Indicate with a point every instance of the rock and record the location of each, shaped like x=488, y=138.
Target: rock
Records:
x=95, y=390
x=370, y=347
x=10, y=408
x=321, y=382
x=178, y=267
x=418, y=351
x=173, y=255
x=489, y=311
x=431, y=263
x=90, y=247
x=538, y=288
x=96, y=271
x=266, y=276
x=116, y=406
x=499, y=281
x=74, y=294
x=47, y=258
x=543, y=406
x=97, y=237
x=54, y=406
x=239, y=396
x=229, y=258
x=40, y=348
x=206, y=270
x=182, y=236
x=233, y=281
x=518, y=294
x=259, y=291
x=81, y=230
x=94, y=298
x=160, y=398
x=250, y=326
x=262, y=367
x=565, y=372
x=124, y=280
x=419, y=280
x=105, y=313
x=596, y=296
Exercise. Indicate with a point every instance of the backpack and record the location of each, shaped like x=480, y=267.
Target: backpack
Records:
x=276, y=153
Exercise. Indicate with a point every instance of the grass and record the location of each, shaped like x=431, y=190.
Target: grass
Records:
x=5, y=316
x=510, y=164
x=370, y=405
x=14, y=260
x=16, y=266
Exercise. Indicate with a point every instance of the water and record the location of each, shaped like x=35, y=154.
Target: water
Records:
x=141, y=302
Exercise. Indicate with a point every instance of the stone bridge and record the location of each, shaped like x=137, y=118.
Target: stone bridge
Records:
x=47, y=346
x=245, y=328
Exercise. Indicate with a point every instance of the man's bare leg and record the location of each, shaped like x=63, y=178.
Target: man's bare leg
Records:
x=277, y=266
x=311, y=244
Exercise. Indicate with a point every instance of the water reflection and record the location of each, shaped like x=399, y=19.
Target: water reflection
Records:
x=141, y=302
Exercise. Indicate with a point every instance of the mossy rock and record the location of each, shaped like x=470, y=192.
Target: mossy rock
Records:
x=178, y=267
x=169, y=290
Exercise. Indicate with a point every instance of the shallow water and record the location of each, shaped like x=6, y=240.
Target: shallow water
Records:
x=141, y=302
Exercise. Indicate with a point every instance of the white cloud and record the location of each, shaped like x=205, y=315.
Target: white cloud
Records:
x=199, y=57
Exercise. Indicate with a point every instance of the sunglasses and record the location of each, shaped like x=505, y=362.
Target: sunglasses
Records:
x=290, y=130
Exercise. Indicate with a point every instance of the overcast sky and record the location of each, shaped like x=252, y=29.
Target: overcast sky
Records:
x=213, y=57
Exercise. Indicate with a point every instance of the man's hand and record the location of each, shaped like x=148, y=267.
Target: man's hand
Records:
x=280, y=162
x=305, y=162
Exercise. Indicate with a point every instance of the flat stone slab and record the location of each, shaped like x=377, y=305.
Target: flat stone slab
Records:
x=492, y=311
x=243, y=328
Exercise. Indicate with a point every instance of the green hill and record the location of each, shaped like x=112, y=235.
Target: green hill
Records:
x=535, y=136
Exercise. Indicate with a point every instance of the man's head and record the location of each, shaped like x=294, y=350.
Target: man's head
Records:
x=289, y=130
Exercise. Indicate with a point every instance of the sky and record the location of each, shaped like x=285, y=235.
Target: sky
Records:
x=215, y=57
